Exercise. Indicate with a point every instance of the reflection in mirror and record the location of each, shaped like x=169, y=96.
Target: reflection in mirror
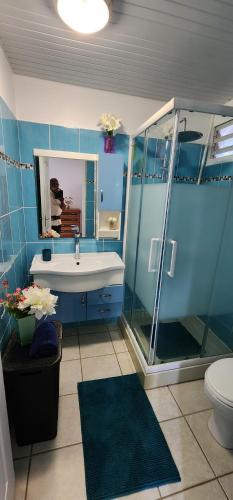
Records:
x=66, y=196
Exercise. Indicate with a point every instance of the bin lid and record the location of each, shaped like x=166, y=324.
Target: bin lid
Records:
x=16, y=358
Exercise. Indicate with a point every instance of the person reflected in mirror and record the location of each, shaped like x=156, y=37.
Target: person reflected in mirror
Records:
x=57, y=204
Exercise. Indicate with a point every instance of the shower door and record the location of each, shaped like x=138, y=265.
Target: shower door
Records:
x=192, y=248
x=149, y=200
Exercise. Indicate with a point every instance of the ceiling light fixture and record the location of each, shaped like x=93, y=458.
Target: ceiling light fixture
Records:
x=84, y=16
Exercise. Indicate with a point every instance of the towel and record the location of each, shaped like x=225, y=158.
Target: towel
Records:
x=45, y=342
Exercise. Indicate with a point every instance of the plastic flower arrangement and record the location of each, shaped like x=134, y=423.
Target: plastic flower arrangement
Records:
x=28, y=301
x=109, y=123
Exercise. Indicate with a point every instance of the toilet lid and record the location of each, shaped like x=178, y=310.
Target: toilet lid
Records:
x=219, y=376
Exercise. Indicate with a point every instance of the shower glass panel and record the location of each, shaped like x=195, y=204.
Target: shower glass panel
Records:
x=149, y=198
x=194, y=258
x=219, y=322
x=138, y=160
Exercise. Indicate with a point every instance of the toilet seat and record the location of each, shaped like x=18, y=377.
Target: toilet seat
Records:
x=219, y=379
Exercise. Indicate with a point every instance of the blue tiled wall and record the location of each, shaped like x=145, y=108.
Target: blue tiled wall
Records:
x=13, y=263
x=46, y=136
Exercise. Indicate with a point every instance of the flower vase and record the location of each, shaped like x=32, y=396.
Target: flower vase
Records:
x=108, y=143
x=26, y=328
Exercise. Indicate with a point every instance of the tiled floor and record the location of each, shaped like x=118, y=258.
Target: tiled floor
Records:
x=54, y=470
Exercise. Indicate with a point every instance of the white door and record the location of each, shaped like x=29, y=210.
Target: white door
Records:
x=7, y=477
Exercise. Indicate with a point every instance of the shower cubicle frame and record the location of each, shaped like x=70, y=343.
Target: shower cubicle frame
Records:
x=183, y=370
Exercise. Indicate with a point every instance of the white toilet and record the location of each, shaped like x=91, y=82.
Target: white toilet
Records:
x=219, y=389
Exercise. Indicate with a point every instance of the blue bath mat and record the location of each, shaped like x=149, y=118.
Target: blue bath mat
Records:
x=124, y=448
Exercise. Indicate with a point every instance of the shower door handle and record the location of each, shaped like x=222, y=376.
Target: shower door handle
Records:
x=152, y=241
x=171, y=271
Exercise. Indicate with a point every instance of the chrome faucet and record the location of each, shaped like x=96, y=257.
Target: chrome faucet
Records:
x=76, y=232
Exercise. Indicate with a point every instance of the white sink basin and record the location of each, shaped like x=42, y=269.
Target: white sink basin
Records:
x=93, y=270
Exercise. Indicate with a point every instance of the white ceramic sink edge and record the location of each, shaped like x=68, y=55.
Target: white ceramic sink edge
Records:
x=94, y=270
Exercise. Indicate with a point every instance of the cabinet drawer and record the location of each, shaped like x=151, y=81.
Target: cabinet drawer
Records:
x=107, y=295
x=104, y=311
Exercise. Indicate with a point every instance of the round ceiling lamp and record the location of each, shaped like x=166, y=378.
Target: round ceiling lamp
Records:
x=84, y=16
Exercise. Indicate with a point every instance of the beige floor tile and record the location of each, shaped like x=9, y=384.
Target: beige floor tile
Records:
x=190, y=396
x=152, y=494
x=163, y=404
x=95, y=344
x=220, y=458
x=92, y=329
x=208, y=491
x=113, y=327
x=57, y=475
x=69, y=428
x=70, y=374
x=227, y=484
x=100, y=367
x=118, y=341
x=191, y=462
x=69, y=331
x=126, y=363
x=21, y=472
x=70, y=348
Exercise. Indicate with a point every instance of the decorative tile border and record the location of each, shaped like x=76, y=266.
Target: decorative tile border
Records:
x=185, y=179
x=218, y=179
x=15, y=163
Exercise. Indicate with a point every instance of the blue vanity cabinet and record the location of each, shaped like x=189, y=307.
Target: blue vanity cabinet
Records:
x=110, y=182
x=71, y=307
x=105, y=303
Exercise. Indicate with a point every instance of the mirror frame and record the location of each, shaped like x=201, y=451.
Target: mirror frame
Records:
x=68, y=155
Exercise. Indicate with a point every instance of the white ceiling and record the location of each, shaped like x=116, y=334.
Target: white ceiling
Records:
x=151, y=48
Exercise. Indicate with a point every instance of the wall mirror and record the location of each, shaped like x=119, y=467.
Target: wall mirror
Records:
x=66, y=191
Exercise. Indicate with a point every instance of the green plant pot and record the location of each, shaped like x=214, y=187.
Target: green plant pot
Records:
x=26, y=328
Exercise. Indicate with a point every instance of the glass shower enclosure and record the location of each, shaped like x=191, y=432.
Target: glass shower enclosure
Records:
x=179, y=234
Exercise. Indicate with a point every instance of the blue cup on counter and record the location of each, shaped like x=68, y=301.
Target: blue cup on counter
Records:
x=46, y=254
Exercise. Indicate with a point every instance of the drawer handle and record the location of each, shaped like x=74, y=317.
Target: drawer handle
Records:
x=83, y=300
x=103, y=310
x=105, y=295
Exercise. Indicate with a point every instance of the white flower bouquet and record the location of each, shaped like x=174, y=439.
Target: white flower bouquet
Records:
x=109, y=123
x=28, y=301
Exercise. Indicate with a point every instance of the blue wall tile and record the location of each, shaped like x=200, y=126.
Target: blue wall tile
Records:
x=90, y=228
x=28, y=187
x=113, y=246
x=91, y=141
x=91, y=245
x=15, y=228
x=31, y=224
x=32, y=135
x=4, y=202
x=14, y=187
x=90, y=171
x=64, y=246
x=90, y=209
x=6, y=238
x=63, y=138
x=21, y=227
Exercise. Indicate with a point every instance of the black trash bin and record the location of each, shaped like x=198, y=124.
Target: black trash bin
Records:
x=32, y=391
